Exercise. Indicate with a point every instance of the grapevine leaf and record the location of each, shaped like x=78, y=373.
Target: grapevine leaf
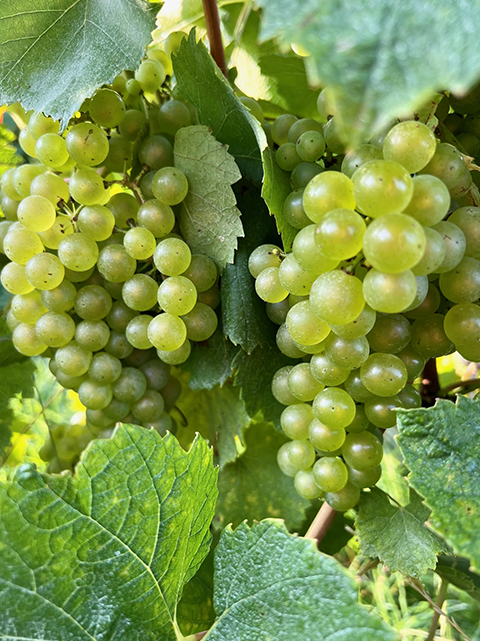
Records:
x=220, y=417
x=369, y=53
x=276, y=187
x=254, y=488
x=113, y=545
x=398, y=535
x=195, y=611
x=209, y=219
x=441, y=446
x=456, y=570
x=53, y=56
x=273, y=585
x=210, y=364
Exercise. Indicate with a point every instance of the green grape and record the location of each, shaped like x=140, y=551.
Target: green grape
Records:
x=468, y=220
x=202, y=272
x=253, y=107
x=357, y=390
x=303, y=173
x=11, y=320
x=286, y=344
x=106, y=108
x=158, y=218
x=360, y=422
x=55, y=330
x=172, y=116
x=73, y=360
x=36, y=213
x=94, y=395
x=324, y=438
x=132, y=124
x=133, y=87
x=97, y=221
x=429, y=338
x=124, y=208
x=92, y=302
x=433, y=255
x=307, y=253
x=201, y=322
x=383, y=375
x=40, y=124
x=120, y=155
x=462, y=324
x=411, y=144
x=455, y=245
x=140, y=292
x=115, y=265
x=293, y=210
x=389, y=293
x=326, y=372
x=294, y=456
x=355, y=159
x=61, y=298
x=139, y=243
x=394, y=243
x=339, y=234
x=330, y=474
x=295, y=420
x=413, y=361
x=104, y=368
x=9, y=208
x=364, y=478
x=98, y=420
x=390, y=334
x=332, y=137
x=118, y=345
x=150, y=407
x=177, y=356
x=26, y=340
x=119, y=316
x=172, y=256
x=50, y=186
x=360, y=326
x=150, y=75
x=92, y=335
x=14, y=280
x=334, y=407
x=325, y=192
x=302, y=384
x=293, y=278
x=61, y=228
x=447, y=164
x=27, y=142
x=305, y=485
x=268, y=286
x=277, y=312
x=310, y=145
x=280, y=388
x=337, y=297
x=280, y=128
x=347, y=353
x=7, y=186
x=428, y=306
x=382, y=187
x=157, y=374
x=45, y=271
x=23, y=177
x=167, y=332
x=20, y=244
x=304, y=326
x=303, y=126
x=156, y=152
x=177, y=295
x=286, y=156
x=86, y=187
x=410, y=397
x=137, y=332
x=117, y=410
x=27, y=308
x=130, y=386
x=146, y=185
x=87, y=144
x=51, y=150
x=170, y=186
x=263, y=257
x=362, y=451
x=461, y=284
x=430, y=200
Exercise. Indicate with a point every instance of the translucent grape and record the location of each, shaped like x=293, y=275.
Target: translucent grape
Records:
x=55, y=330
x=324, y=438
x=326, y=372
x=294, y=456
x=390, y=334
x=73, y=360
x=302, y=384
x=305, y=485
x=295, y=420
x=462, y=284
x=337, y=297
x=119, y=316
x=286, y=156
x=115, y=265
x=106, y=108
x=118, y=345
x=360, y=326
x=20, y=244
x=429, y=338
x=9, y=208
x=280, y=389
x=269, y=287
x=105, y=368
x=23, y=177
x=364, y=478
x=433, y=255
x=262, y=257
x=132, y=124
x=124, y=208
x=26, y=340
x=302, y=174
x=50, y=186
x=355, y=159
x=14, y=280
x=177, y=356
x=347, y=353
x=286, y=344
x=156, y=152
x=304, y=326
x=310, y=145
x=150, y=407
x=334, y=407
x=170, y=186
x=36, y=213
x=61, y=228
x=177, y=295
x=468, y=220
x=430, y=200
x=201, y=322
x=140, y=292
x=411, y=144
x=151, y=75
x=27, y=308
x=339, y=234
x=86, y=187
x=139, y=243
x=332, y=137
x=97, y=221
x=40, y=124
x=87, y=144
x=130, y=386
x=92, y=335
x=360, y=422
x=167, y=332
x=325, y=192
x=45, y=271
x=382, y=187
x=78, y=252
x=51, y=150
x=344, y=499
x=455, y=245
x=156, y=217
x=137, y=332
x=27, y=142
x=172, y=116
x=156, y=373
x=172, y=256
x=60, y=299
x=293, y=278
x=383, y=374
x=447, y=164
x=92, y=302
x=389, y=293
x=307, y=253
x=330, y=474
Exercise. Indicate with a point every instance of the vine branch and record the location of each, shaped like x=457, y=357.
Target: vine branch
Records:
x=469, y=385
x=212, y=19
x=321, y=523
x=442, y=595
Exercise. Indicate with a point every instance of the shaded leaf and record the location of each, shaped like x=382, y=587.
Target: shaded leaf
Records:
x=195, y=611
x=53, y=56
x=456, y=570
x=254, y=488
x=209, y=219
x=276, y=187
x=210, y=364
x=441, y=446
x=397, y=535
x=273, y=585
x=105, y=554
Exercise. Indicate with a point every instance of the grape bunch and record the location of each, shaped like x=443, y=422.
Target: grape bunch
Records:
x=102, y=280
x=384, y=273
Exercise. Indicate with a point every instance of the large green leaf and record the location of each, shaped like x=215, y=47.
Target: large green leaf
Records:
x=383, y=58
x=210, y=363
x=441, y=446
x=105, y=554
x=398, y=535
x=272, y=585
x=54, y=55
x=209, y=219
x=254, y=488
x=456, y=570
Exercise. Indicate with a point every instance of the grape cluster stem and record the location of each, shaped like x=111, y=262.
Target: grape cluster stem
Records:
x=212, y=19
x=321, y=523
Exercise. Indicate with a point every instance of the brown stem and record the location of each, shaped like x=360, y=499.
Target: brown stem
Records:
x=469, y=385
x=212, y=19
x=442, y=594
x=321, y=523
x=430, y=387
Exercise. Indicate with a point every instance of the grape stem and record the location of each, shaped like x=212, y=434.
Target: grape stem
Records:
x=212, y=19
x=417, y=585
x=196, y=637
x=470, y=384
x=442, y=594
x=321, y=523
x=430, y=387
